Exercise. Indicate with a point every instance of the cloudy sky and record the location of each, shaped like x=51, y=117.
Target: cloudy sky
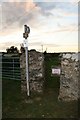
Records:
x=53, y=24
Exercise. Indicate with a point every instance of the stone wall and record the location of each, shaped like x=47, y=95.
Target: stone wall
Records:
x=36, y=72
x=69, y=79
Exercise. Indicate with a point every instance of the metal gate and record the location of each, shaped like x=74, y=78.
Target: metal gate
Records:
x=11, y=68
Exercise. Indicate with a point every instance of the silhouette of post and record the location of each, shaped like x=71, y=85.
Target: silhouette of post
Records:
x=26, y=35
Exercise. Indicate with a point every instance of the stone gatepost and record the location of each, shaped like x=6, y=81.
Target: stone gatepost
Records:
x=69, y=79
x=36, y=73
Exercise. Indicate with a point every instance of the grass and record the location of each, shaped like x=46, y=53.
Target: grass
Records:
x=41, y=105
x=45, y=105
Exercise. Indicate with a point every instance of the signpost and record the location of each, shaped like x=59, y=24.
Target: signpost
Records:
x=25, y=42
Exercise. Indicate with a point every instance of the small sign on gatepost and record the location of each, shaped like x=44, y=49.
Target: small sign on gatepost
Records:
x=56, y=71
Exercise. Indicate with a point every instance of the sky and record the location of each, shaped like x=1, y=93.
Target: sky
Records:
x=53, y=24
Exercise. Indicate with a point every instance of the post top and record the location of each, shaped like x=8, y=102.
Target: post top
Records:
x=26, y=31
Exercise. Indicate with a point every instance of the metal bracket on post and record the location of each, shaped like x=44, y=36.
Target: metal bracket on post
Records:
x=25, y=42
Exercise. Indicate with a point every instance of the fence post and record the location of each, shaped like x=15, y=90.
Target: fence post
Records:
x=13, y=68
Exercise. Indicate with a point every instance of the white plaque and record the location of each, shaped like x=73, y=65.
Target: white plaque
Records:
x=56, y=71
x=25, y=43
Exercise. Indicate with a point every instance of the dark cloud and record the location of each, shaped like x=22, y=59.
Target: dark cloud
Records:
x=46, y=7
x=17, y=13
x=11, y=13
x=29, y=18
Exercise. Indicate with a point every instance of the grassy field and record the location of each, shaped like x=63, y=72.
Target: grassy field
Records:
x=45, y=105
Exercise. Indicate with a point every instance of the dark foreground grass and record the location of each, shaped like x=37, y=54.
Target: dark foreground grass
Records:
x=45, y=105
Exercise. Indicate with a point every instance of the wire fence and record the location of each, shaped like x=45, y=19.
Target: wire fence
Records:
x=0, y=86
x=11, y=68
x=0, y=66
